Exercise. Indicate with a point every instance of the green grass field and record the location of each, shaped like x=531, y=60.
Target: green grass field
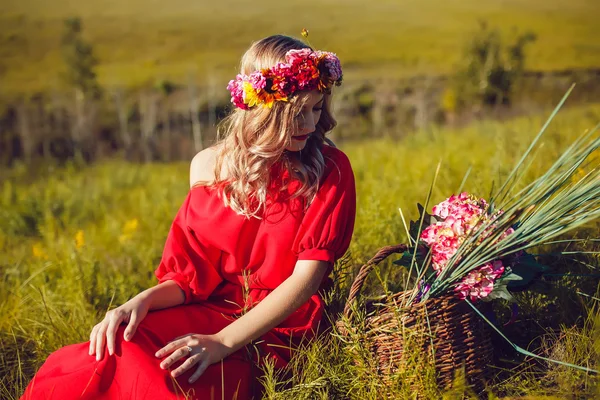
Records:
x=140, y=42
x=75, y=242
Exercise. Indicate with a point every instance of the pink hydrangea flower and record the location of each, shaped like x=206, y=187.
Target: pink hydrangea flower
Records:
x=479, y=283
x=506, y=233
x=458, y=216
x=430, y=234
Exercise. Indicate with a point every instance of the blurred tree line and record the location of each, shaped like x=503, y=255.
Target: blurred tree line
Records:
x=167, y=121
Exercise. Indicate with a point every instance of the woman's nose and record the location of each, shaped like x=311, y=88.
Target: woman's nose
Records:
x=307, y=124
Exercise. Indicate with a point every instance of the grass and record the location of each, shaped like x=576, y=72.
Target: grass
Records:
x=75, y=242
x=139, y=42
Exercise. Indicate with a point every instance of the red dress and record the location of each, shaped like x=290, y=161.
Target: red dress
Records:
x=224, y=263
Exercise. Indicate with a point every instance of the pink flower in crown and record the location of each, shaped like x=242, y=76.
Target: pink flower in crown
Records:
x=303, y=64
x=257, y=80
x=236, y=88
x=332, y=63
x=299, y=56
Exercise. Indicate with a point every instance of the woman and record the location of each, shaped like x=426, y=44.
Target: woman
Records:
x=270, y=209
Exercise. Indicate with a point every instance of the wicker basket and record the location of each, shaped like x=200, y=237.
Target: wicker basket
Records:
x=451, y=331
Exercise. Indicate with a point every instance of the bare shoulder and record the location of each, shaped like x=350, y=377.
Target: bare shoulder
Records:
x=202, y=167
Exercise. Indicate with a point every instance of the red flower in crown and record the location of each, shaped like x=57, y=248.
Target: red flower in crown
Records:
x=281, y=77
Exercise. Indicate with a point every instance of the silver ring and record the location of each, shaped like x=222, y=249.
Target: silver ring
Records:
x=189, y=349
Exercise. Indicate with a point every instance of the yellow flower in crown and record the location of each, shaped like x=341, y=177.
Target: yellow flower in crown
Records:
x=253, y=96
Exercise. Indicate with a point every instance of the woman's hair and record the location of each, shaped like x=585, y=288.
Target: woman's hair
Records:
x=252, y=141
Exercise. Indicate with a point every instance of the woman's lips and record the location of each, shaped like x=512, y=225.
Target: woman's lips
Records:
x=300, y=137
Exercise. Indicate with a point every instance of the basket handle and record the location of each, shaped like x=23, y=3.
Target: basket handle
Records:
x=359, y=281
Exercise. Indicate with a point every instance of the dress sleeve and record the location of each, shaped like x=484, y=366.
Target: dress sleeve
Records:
x=328, y=224
x=185, y=261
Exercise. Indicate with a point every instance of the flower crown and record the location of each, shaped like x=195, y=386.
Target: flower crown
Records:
x=304, y=69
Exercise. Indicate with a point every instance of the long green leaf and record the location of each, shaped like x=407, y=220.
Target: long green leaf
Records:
x=526, y=352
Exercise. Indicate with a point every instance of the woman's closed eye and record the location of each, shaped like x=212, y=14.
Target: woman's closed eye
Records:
x=300, y=115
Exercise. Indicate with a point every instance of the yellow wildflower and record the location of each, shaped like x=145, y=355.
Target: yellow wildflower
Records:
x=130, y=226
x=128, y=230
x=38, y=251
x=79, y=239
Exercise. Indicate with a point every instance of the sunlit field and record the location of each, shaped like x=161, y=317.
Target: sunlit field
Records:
x=76, y=242
x=139, y=42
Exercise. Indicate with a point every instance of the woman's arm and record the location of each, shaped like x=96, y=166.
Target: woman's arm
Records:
x=276, y=306
x=270, y=312
x=164, y=295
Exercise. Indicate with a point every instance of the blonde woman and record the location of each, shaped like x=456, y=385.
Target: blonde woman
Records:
x=270, y=208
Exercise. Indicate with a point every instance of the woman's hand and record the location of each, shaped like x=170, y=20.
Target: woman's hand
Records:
x=132, y=313
x=202, y=350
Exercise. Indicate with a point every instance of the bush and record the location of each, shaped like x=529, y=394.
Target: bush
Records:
x=490, y=68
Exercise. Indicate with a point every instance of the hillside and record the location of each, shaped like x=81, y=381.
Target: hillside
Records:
x=142, y=41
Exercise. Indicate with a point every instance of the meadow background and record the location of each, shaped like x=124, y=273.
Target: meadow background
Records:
x=140, y=41
x=84, y=213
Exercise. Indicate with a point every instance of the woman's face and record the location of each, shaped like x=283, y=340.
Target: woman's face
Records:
x=307, y=120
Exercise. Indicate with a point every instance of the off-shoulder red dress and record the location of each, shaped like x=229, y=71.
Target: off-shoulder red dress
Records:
x=224, y=263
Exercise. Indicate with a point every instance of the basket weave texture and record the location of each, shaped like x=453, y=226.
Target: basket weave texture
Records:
x=445, y=327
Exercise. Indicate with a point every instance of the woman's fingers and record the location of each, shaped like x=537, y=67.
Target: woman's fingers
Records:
x=171, y=346
x=113, y=324
x=100, y=338
x=131, y=326
x=93, y=339
x=187, y=335
x=201, y=368
x=176, y=355
x=187, y=364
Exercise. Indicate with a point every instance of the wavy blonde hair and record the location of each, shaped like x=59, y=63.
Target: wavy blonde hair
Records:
x=252, y=141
